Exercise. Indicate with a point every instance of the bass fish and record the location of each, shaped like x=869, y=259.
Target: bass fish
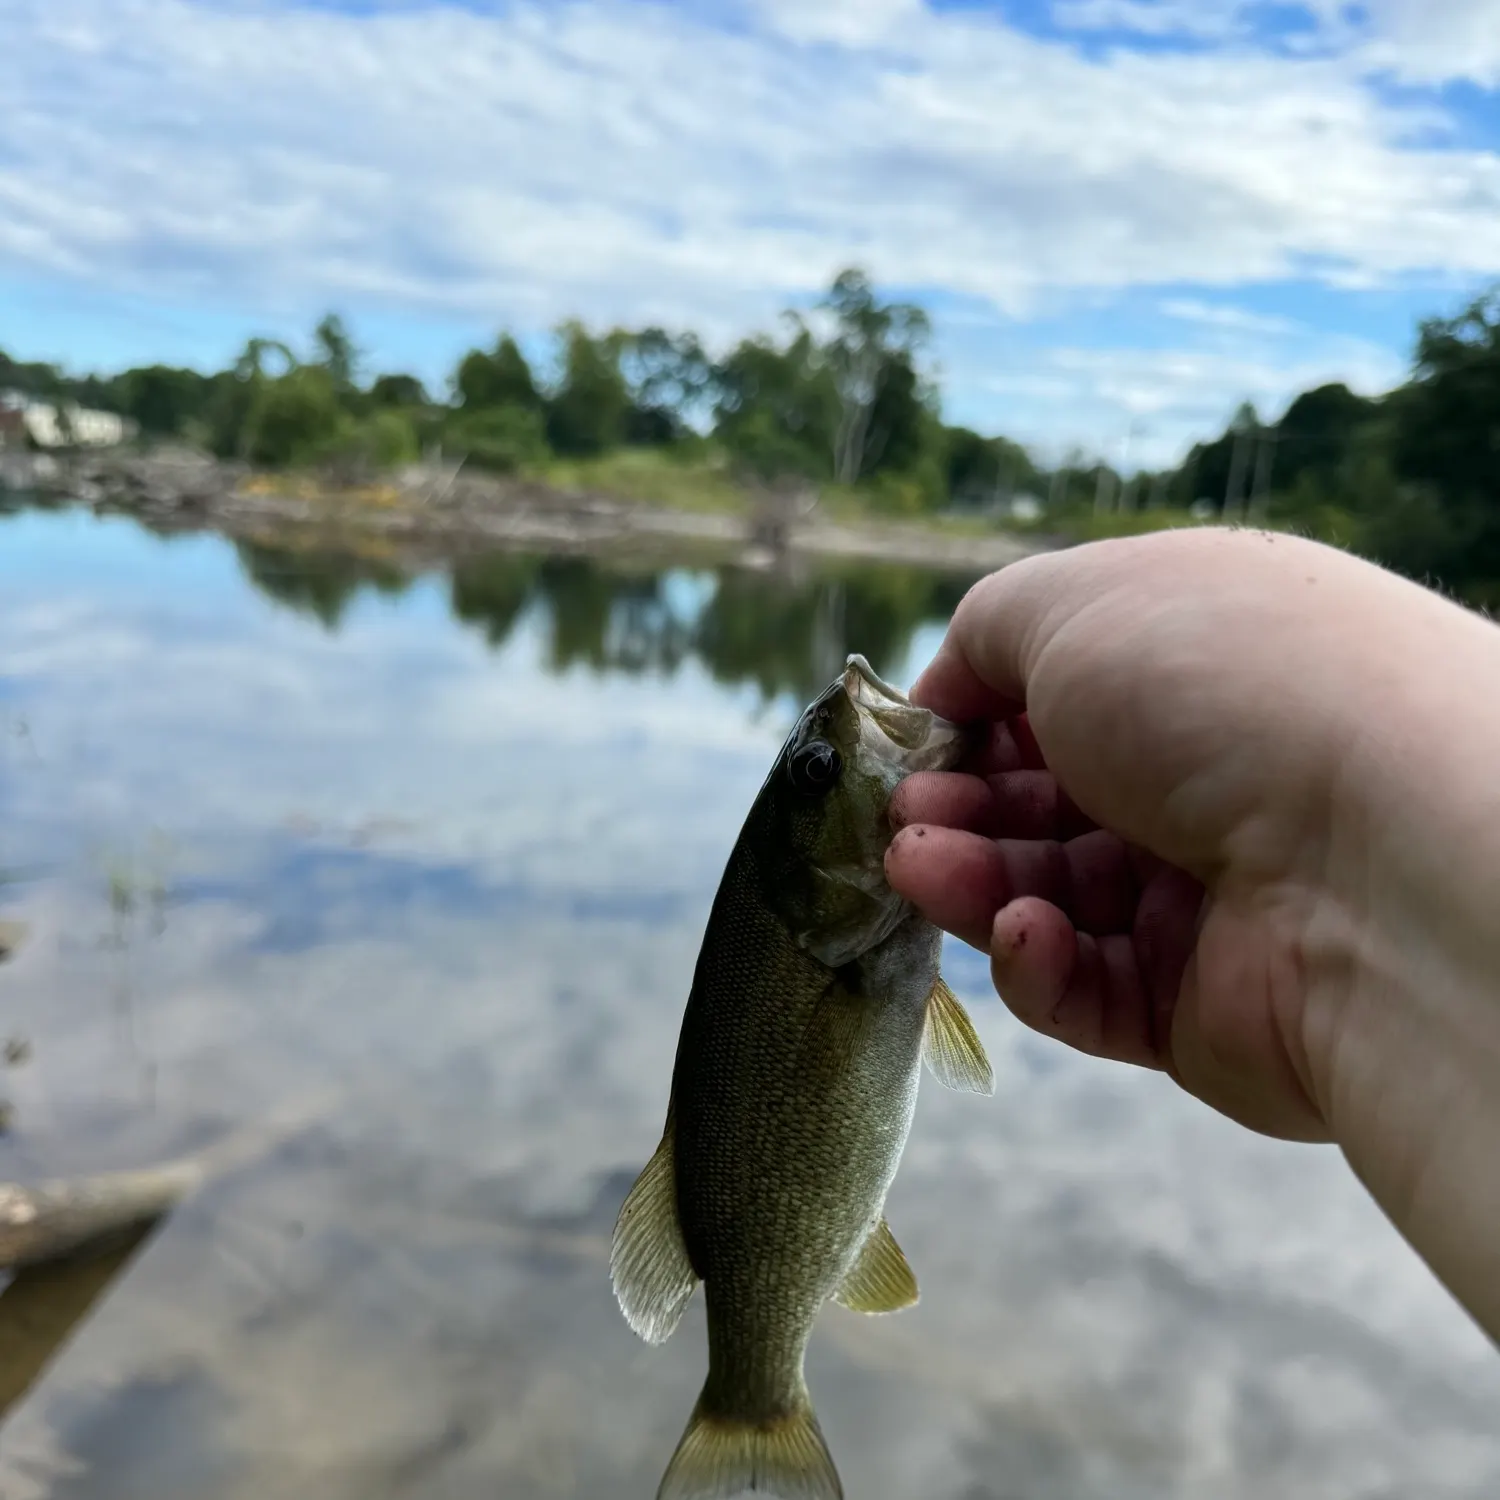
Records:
x=815, y=998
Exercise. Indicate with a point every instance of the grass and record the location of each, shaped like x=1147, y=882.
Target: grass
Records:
x=651, y=476
x=701, y=480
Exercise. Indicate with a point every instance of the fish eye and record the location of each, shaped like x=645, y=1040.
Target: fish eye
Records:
x=814, y=767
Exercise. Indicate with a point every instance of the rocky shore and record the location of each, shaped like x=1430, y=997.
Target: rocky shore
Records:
x=434, y=513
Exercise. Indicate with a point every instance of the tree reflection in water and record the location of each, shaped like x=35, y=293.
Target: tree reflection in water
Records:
x=784, y=634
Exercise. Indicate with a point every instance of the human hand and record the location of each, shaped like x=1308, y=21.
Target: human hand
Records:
x=1161, y=856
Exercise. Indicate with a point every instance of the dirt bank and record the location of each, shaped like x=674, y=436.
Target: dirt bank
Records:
x=434, y=515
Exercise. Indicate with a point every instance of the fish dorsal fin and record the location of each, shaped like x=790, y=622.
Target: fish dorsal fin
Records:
x=880, y=1280
x=648, y=1262
x=952, y=1046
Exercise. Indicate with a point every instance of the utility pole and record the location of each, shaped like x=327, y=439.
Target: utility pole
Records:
x=1260, y=486
x=1234, y=487
x=1104, y=491
x=1128, y=493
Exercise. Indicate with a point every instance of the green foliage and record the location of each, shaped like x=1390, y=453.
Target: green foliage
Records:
x=336, y=352
x=841, y=400
x=500, y=377
x=502, y=439
x=227, y=412
x=870, y=358
x=978, y=469
x=382, y=440
x=320, y=584
x=777, y=408
x=1445, y=443
x=44, y=382
x=165, y=402
x=667, y=377
x=296, y=419
x=397, y=391
x=586, y=414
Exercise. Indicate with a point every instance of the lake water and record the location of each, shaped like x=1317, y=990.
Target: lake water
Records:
x=409, y=880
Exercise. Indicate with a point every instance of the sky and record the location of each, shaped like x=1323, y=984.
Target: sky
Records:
x=1125, y=216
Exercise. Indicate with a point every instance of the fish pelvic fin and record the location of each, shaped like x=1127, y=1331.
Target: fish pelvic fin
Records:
x=648, y=1261
x=719, y=1457
x=880, y=1280
x=952, y=1046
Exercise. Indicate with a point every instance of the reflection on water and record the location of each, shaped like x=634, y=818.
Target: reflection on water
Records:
x=423, y=864
x=785, y=635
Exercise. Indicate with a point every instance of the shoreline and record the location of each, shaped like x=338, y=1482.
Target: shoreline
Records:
x=427, y=517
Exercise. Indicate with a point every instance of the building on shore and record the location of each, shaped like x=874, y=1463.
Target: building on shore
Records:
x=25, y=422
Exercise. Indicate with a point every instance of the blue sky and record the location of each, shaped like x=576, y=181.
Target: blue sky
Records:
x=1125, y=215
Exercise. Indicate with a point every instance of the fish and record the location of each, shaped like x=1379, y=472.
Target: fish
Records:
x=816, y=996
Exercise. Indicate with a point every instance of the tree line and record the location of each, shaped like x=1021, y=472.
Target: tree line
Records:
x=840, y=396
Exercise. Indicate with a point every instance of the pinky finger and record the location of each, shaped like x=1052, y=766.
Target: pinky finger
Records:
x=1082, y=991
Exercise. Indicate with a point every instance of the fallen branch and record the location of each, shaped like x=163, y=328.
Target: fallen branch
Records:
x=65, y=1242
x=57, y=1219
x=53, y=1220
x=43, y=1305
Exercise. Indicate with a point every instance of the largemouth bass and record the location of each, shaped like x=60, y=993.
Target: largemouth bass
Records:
x=815, y=998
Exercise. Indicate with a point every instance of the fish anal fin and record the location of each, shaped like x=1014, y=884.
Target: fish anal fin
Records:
x=952, y=1046
x=648, y=1262
x=880, y=1280
x=719, y=1457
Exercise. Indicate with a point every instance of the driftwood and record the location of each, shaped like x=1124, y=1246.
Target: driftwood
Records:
x=64, y=1243
x=52, y=1220
x=12, y=935
x=43, y=1305
x=58, y=1219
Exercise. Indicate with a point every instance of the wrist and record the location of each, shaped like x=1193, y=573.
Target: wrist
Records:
x=1401, y=1030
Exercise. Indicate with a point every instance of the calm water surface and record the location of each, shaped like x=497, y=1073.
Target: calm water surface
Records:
x=405, y=882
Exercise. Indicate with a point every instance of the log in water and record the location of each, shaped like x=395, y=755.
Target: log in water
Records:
x=53, y=1220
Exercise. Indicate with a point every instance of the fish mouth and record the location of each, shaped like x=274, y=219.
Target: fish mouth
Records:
x=894, y=729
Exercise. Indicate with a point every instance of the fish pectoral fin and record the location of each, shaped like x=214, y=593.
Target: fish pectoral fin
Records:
x=719, y=1457
x=648, y=1261
x=952, y=1046
x=880, y=1280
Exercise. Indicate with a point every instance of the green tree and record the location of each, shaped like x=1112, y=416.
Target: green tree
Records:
x=1316, y=433
x=295, y=419
x=499, y=377
x=776, y=407
x=336, y=352
x=44, y=382
x=667, y=377
x=503, y=439
x=586, y=414
x=870, y=355
x=978, y=469
x=162, y=400
x=1446, y=442
x=394, y=391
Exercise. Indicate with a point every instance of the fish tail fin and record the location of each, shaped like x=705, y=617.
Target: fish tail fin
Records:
x=719, y=1457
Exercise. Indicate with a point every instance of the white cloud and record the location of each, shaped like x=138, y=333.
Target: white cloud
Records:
x=1221, y=315
x=846, y=22
x=632, y=158
x=1418, y=41
x=1147, y=405
x=1421, y=42
x=635, y=162
x=1191, y=18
